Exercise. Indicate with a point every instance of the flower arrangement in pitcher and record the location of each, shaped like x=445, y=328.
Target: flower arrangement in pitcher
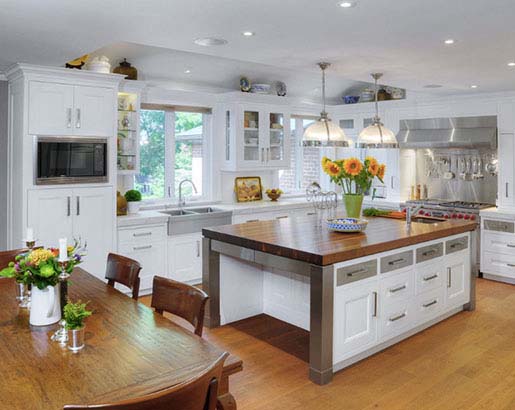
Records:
x=41, y=266
x=355, y=178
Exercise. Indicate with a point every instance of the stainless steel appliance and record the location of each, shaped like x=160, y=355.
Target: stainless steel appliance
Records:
x=70, y=160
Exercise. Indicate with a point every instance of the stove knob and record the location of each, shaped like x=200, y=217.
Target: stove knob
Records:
x=421, y=212
x=446, y=216
x=472, y=217
x=454, y=216
x=467, y=217
x=428, y=213
x=404, y=210
x=460, y=216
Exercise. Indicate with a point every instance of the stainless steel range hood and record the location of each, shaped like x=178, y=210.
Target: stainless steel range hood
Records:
x=457, y=132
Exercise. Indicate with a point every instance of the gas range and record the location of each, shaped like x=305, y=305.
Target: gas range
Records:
x=440, y=208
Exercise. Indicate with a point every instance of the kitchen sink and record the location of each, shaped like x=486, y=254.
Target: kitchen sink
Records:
x=193, y=220
x=426, y=220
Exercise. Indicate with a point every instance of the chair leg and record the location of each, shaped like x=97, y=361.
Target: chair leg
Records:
x=226, y=402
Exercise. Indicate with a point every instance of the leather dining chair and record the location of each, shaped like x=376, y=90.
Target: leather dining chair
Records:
x=121, y=269
x=181, y=299
x=8, y=256
x=199, y=393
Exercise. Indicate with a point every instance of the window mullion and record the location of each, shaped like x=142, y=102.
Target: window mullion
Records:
x=170, y=154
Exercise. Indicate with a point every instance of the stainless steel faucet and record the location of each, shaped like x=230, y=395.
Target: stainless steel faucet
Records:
x=182, y=201
x=410, y=212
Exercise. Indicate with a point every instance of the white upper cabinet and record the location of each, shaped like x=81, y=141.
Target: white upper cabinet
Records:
x=61, y=109
x=506, y=179
x=50, y=108
x=94, y=111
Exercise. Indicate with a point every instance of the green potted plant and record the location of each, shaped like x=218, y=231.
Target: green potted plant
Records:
x=133, y=197
x=74, y=315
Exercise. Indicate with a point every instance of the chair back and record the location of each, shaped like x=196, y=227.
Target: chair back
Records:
x=198, y=393
x=180, y=299
x=121, y=269
x=8, y=256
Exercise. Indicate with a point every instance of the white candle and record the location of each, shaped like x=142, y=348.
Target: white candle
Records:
x=30, y=235
x=63, y=250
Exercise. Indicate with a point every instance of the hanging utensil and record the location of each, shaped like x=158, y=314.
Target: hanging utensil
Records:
x=468, y=170
x=448, y=174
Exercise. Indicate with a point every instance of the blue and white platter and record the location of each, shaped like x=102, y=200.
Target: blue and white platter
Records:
x=347, y=225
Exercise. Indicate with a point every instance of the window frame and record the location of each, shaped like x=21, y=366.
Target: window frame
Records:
x=169, y=136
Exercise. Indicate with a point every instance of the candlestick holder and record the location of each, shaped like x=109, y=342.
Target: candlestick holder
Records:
x=23, y=290
x=61, y=334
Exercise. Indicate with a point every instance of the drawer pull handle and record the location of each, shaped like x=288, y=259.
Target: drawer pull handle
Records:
x=311, y=213
x=397, y=289
x=356, y=272
x=399, y=317
x=426, y=305
x=137, y=235
x=253, y=220
x=511, y=265
x=139, y=248
x=510, y=245
x=396, y=261
x=281, y=217
x=428, y=253
x=454, y=245
x=375, y=305
x=428, y=278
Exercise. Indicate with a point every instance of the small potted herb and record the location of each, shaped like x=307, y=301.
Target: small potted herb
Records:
x=133, y=197
x=74, y=315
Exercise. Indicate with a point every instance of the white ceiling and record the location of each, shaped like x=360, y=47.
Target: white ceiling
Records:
x=402, y=38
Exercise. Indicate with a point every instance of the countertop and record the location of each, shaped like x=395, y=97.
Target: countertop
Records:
x=151, y=214
x=302, y=240
x=495, y=212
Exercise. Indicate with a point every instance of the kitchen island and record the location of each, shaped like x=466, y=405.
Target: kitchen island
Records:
x=356, y=293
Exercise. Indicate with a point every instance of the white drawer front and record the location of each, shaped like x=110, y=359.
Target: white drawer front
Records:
x=499, y=243
x=429, y=305
x=142, y=235
x=429, y=277
x=498, y=264
x=397, y=288
x=395, y=318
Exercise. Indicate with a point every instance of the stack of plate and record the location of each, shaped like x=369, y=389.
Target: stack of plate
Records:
x=347, y=225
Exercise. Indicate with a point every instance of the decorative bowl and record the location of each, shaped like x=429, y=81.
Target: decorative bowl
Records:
x=274, y=194
x=350, y=99
x=347, y=225
x=260, y=88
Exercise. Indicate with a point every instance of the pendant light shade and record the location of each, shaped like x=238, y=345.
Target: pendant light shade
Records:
x=376, y=135
x=323, y=132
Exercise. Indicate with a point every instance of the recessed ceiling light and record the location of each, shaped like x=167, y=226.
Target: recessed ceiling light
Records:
x=511, y=64
x=449, y=41
x=210, y=41
x=473, y=86
x=433, y=86
x=187, y=71
x=248, y=33
x=347, y=4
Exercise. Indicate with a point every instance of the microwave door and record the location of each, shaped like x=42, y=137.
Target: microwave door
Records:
x=53, y=160
x=87, y=160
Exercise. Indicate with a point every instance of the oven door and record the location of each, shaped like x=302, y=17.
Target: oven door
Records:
x=71, y=161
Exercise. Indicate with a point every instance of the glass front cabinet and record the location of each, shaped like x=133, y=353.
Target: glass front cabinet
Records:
x=256, y=138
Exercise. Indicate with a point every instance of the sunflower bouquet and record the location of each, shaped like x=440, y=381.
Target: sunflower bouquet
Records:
x=355, y=178
x=40, y=267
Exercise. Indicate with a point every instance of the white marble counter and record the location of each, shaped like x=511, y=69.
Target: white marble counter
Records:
x=495, y=212
x=142, y=218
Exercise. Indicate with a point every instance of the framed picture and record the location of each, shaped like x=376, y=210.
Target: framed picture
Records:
x=248, y=189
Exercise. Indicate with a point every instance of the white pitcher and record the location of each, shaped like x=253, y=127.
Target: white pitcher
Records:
x=45, y=306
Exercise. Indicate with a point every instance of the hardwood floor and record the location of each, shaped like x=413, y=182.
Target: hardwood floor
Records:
x=465, y=362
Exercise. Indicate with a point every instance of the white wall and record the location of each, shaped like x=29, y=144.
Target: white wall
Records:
x=3, y=163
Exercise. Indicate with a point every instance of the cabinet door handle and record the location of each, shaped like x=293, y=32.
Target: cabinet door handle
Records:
x=426, y=305
x=198, y=249
x=391, y=181
x=68, y=206
x=262, y=155
x=449, y=277
x=511, y=265
x=396, y=261
x=139, y=248
x=311, y=213
x=398, y=317
x=68, y=118
x=169, y=191
x=398, y=289
x=428, y=278
x=507, y=190
x=136, y=235
x=77, y=124
x=267, y=154
x=375, y=305
x=78, y=205
x=510, y=245
x=281, y=217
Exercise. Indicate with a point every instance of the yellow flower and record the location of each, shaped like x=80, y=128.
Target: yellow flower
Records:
x=332, y=169
x=38, y=256
x=381, y=171
x=325, y=160
x=373, y=168
x=352, y=166
x=371, y=160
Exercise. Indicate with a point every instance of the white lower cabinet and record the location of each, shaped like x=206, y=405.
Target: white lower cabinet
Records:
x=147, y=245
x=382, y=298
x=498, y=249
x=79, y=213
x=185, y=258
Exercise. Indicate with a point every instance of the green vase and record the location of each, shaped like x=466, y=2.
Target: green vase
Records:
x=353, y=204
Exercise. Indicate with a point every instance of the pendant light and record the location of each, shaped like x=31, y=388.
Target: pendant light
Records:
x=377, y=135
x=323, y=132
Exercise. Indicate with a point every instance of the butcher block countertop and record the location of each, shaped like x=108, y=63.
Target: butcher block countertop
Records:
x=302, y=240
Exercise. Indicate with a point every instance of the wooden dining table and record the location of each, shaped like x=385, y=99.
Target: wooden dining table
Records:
x=129, y=351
